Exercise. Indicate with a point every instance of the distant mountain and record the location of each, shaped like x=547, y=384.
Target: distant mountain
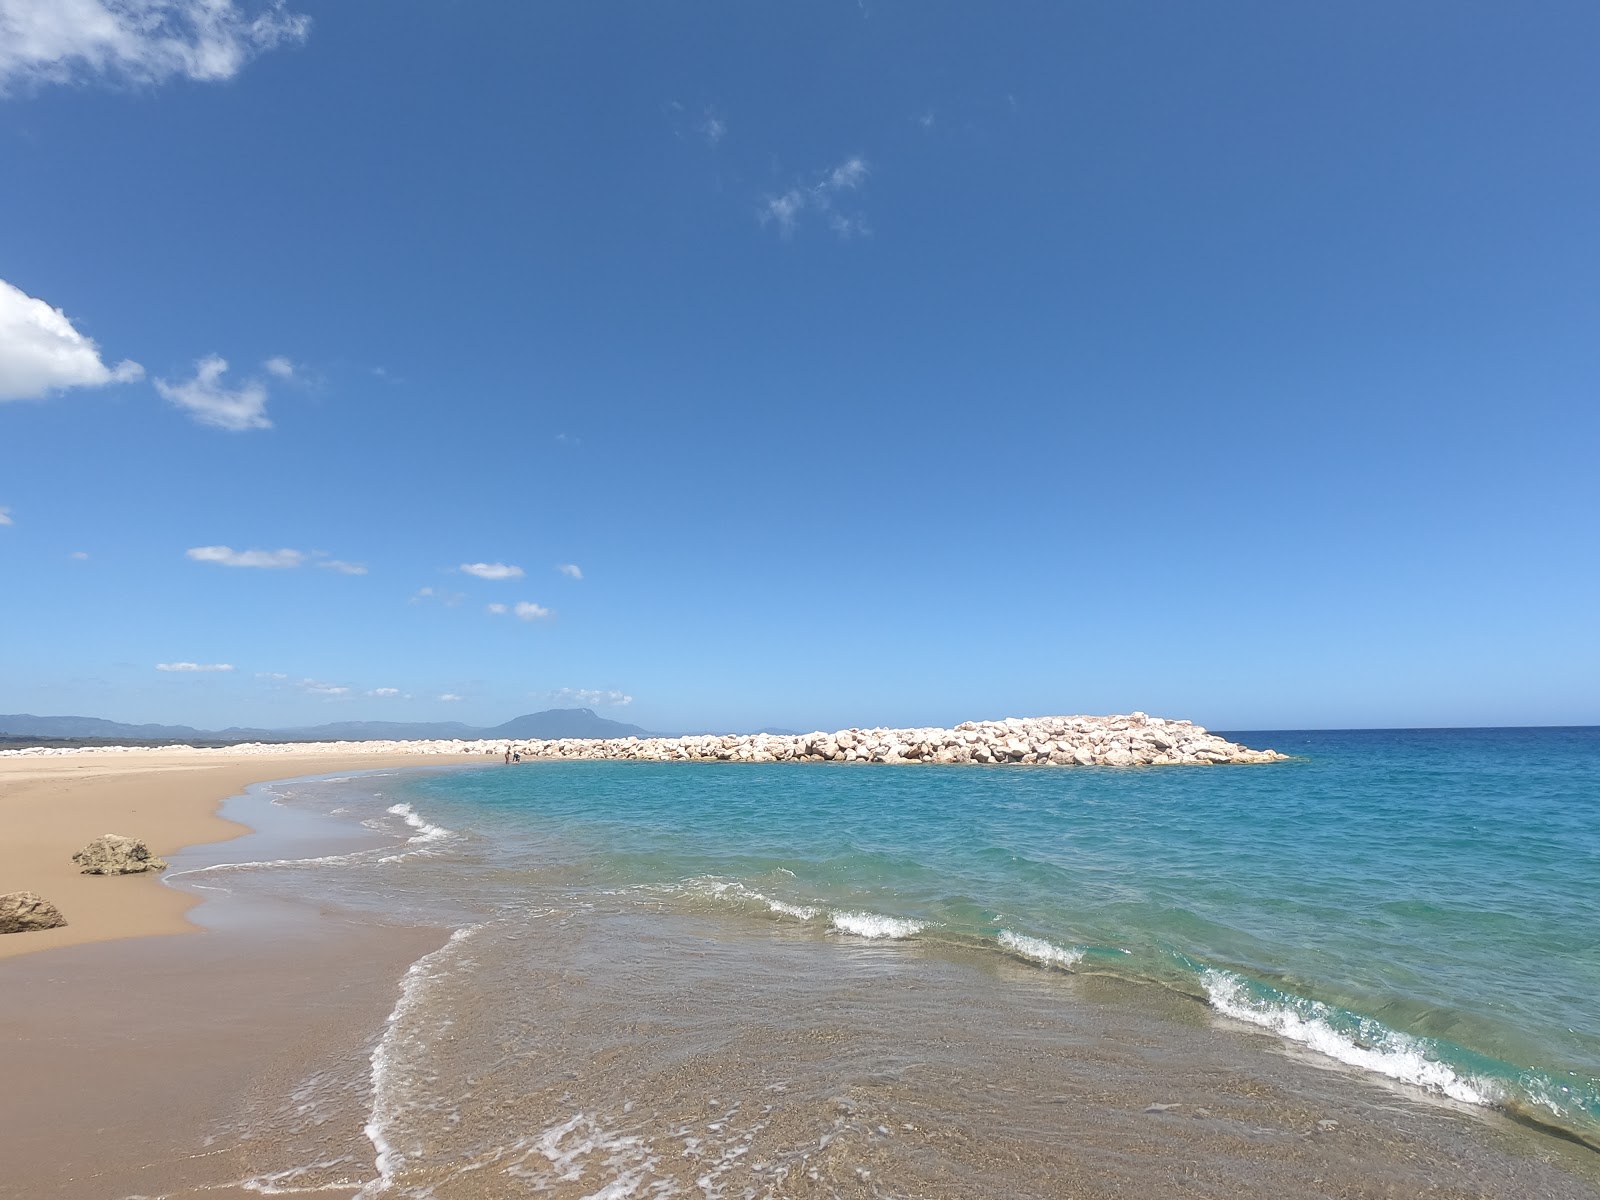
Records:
x=563, y=723
x=552, y=723
x=28, y=725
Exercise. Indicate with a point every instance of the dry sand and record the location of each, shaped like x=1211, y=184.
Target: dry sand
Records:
x=51, y=806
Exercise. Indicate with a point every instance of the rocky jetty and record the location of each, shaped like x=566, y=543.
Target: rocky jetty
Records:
x=113, y=854
x=1136, y=740
x=21, y=912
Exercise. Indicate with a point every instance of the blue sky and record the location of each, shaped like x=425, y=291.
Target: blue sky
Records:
x=865, y=363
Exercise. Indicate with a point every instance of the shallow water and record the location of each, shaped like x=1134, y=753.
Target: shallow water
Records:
x=784, y=979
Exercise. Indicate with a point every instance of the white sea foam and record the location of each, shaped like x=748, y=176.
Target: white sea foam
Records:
x=426, y=835
x=389, y=1068
x=581, y=1143
x=800, y=912
x=732, y=889
x=875, y=925
x=1379, y=1049
x=1039, y=950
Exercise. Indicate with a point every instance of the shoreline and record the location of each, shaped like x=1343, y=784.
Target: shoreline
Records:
x=300, y=997
x=52, y=805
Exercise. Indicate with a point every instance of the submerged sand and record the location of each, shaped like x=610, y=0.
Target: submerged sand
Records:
x=241, y=1062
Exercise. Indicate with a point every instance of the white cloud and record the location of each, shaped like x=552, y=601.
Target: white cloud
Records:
x=189, y=666
x=492, y=570
x=820, y=196
x=277, y=364
x=5, y=516
x=142, y=41
x=384, y=692
x=713, y=128
x=344, y=568
x=497, y=609
x=316, y=687
x=568, y=439
x=571, y=570
x=227, y=556
x=450, y=696
x=208, y=402
x=592, y=697
x=40, y=351
x=529, y=611
x=76, y=555
x=271, y=675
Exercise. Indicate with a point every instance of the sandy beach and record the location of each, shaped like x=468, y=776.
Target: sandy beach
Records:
x=51, y=806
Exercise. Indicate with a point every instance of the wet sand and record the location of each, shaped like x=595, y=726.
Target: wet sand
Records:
x=653, y=1045
x=52, y=806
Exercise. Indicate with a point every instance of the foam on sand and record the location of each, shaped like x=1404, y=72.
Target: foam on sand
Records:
x=1371, y=1046
x=1038, y=950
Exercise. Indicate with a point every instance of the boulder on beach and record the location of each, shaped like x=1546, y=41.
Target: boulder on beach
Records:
x=113, y=854
x=24, y=911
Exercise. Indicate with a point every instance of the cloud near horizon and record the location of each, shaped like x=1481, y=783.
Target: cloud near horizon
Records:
x=491, y=571
x=210, y=403
x=593, y=697
x=190, y=666
x=40, y=351
x=138, y=41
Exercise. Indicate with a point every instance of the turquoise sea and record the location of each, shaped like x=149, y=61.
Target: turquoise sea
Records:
x=1422, y=903
x=1416, y=907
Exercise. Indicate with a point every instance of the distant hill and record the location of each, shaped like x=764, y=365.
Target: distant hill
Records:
x=552, y=723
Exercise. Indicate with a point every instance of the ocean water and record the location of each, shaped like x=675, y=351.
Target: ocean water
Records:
x=652, y=964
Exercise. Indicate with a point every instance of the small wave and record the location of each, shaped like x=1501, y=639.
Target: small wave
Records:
x=1369, y=1044
x=387, y=1091
x=426, y=833
x=354, y=856
x=875, y=925
x=1038, y=950
x=801, y=912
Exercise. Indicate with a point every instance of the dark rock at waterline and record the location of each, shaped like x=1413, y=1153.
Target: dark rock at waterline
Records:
x=113, y=854
x=21, y=912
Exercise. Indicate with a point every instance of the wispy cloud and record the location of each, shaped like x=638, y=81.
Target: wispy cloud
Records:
x=592, y=697
x=344, y=568
x=524, y=610
x=315, y=687
x=271, y=675
x=496, y=570
x=40, y=351
x=279, y=366
x=570, y=570
x=140, y=41
x=448, y=599
x=79, y=556
x=821, y=196
x=449, y=697
x=5, y=516
x=210, y=403
x=713, y=128
x=227, y=556
x=568, y=439
x=384, y=692
x=190, y=666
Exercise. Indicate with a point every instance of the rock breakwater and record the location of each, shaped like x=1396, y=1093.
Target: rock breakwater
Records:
x=1134, y=740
